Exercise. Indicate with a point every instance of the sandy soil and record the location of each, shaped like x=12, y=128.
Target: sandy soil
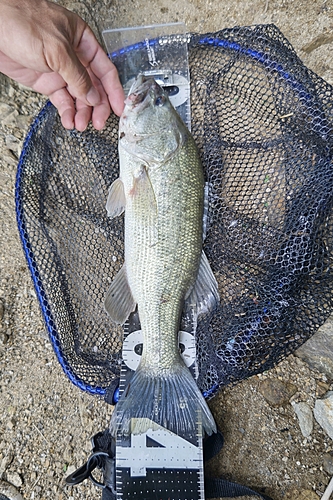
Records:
x=45, y=422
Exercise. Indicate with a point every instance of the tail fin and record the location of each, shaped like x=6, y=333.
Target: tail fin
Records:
x=172, y=400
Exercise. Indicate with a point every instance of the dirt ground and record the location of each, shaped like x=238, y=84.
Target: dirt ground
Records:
x=45, y=422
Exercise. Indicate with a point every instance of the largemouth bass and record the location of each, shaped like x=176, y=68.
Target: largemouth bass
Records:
x=161, y=189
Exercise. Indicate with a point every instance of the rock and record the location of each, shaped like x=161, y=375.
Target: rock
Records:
x=318, y=41
x=11, y=423
x=24, y=121
x=13, y=144
x=317, y=352
x=276, y=392
x=305, y=418
x=10, y=158
x=307, y=495
x=70, y=470
x=5, y=462
x=8, y=114
x=296, y=494
x=328, y=463
x=4, y=82
x=8, y=491
x=3, y=338
x=15, y=479
x=323, y=413
x=322, y=388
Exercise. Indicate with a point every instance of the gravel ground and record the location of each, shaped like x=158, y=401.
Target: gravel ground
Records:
x=45, y=422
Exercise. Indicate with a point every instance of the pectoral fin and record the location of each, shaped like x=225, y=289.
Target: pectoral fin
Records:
x=116, y=199
x=204, y=296
x=119, y=302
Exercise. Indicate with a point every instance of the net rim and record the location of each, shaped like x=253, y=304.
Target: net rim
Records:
x=204, y=40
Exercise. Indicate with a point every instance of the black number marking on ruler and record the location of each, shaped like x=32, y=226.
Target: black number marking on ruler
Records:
x=159, y=464
x=158, y=448
x=132, y=349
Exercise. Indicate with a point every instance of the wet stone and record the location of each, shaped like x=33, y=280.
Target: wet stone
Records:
x=276, y=392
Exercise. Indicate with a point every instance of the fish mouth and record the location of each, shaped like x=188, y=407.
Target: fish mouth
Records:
x=140, y=90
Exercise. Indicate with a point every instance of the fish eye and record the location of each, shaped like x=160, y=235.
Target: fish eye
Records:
x=160, y=100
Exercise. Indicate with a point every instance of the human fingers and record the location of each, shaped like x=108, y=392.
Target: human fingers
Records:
x=99, y=113
x=48, y=35
x=74, y=112
x=82, y=115
x=60, y=39
x=64, y=103
x=99, y=70
x=93, y=56
x=50, y=84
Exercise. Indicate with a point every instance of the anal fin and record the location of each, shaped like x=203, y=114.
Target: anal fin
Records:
x=119, y=302
x=204, y=296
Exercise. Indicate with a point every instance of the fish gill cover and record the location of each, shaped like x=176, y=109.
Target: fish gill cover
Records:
x=263, y=125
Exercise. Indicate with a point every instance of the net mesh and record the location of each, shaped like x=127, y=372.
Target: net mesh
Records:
x=263, y=125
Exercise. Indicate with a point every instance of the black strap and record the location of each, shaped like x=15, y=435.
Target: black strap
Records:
x=108, y=495
x=212, y=445
x=103, y=457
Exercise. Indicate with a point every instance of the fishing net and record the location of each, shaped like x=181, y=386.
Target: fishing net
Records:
x=263, y=125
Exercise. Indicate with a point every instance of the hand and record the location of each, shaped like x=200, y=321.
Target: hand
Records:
x=53, y=51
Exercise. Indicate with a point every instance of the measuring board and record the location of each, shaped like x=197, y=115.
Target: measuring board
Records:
x=159, y=51
x=157, y=464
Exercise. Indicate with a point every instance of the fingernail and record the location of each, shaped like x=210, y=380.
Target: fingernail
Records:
x=93, y=97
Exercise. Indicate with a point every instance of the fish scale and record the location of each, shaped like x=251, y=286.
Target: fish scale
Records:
x=171, y=278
